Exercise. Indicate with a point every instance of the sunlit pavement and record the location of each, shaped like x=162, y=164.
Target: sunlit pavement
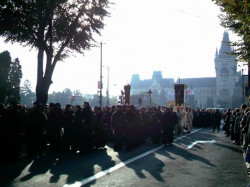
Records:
x=200, y=158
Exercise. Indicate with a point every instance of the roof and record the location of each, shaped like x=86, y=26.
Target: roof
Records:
x=199, y=82
x=137, y=83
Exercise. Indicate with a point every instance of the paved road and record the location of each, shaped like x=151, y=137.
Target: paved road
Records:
x=200, y=158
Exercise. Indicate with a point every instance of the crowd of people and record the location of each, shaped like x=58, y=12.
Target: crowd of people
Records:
x=236, y=126
x=38, y=129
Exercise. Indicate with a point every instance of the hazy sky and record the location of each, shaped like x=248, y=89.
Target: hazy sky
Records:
x=177, y=37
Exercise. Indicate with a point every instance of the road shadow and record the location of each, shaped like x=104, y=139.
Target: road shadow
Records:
x=232, y=148
x=55, y=164
x=187, y=139
x=81, y=166
x=141, y=167
x=11, y=170
x=183, y=152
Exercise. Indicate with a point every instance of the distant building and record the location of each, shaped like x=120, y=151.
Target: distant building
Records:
x=223, y=91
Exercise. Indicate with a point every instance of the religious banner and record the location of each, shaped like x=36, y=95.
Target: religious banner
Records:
x=179, y=94
x=127, y=94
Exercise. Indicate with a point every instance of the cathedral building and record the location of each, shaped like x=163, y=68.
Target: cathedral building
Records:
x=222, y=91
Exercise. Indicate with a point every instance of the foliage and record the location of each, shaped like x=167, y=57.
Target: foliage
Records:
x=26, y=94
x=237, y=19
x=10, y=77
x=15, y=77
x=66, y=97
x=56, y=28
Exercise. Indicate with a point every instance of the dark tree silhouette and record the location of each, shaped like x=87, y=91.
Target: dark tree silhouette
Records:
x=26, y=93
x=55, y=28
x=10, y=78
x=15, y=77
x=5, y=61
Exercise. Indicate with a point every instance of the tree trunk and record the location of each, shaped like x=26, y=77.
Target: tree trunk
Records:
x=44, y=80
x=41, y=95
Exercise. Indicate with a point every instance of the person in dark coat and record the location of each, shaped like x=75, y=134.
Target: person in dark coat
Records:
x=77, y=128
x=227, y=118
x=204, y=118
x=138, y=128
x=100, y=125
x=86, y=143
x=108, y=113
x=55, y=127
x=169, y=120
x=155, y=126
x=118, y=126
x=217, y=116
x=12, y=130
x=3, y=116
x=145, y=117
x=232, y=123
x=35, y=131
x=130, y=128
x=237, y=129
x=68, y=128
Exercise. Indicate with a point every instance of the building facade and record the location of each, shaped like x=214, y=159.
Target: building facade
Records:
x=222, y=91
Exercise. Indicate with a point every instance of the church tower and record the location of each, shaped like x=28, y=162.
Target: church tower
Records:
x=225, y=67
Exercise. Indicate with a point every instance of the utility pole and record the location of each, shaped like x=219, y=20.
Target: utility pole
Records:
x=107, y=91
x=101, y=77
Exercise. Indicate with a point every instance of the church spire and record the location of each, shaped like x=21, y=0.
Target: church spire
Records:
x=225, y=46
x=216, y=53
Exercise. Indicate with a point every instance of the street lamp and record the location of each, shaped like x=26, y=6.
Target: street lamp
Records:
x=149, y=93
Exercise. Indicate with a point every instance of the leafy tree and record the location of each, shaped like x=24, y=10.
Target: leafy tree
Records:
x=53, y=27
x=10, y=77
x=63, y=97
x=237, y=19
x=15, y=77
x=5, y=61
x=26, y=89
x=27, y=96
